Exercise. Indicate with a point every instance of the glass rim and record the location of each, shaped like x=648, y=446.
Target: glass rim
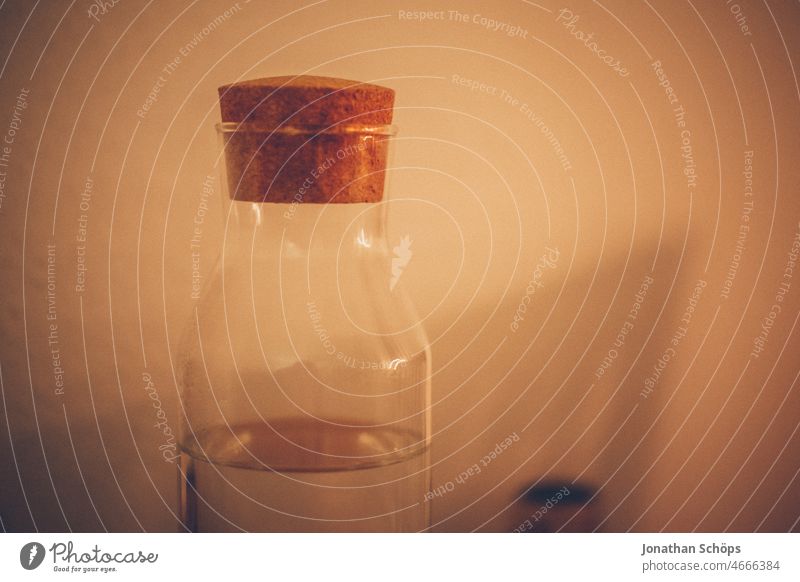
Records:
x=336, y=129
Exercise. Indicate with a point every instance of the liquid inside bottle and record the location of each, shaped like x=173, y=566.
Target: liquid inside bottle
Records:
x=299, y=475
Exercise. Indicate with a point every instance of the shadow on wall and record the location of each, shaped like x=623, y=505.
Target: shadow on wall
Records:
x=557, y=401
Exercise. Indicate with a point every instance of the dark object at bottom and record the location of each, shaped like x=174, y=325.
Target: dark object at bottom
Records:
x=558, y=506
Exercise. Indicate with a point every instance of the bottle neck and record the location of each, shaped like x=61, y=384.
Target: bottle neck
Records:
x=294, y=261
x=303, y=230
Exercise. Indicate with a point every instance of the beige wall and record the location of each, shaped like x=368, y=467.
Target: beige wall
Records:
x=482, y=191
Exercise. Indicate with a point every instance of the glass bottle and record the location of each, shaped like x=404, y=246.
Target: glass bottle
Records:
x=304, y=371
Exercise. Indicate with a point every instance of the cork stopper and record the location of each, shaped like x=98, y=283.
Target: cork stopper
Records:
x=306, y=139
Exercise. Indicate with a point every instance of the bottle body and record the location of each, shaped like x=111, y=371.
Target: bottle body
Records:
x=305, y=379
